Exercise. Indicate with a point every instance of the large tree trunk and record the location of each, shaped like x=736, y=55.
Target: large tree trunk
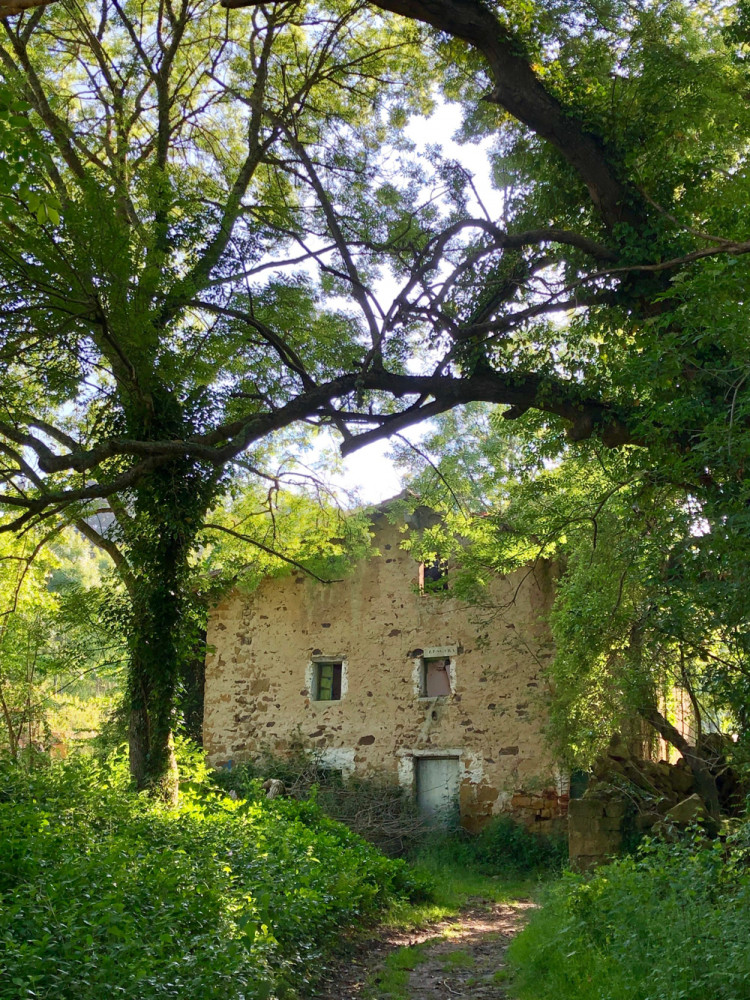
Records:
x=168, y=507
x=154, y=667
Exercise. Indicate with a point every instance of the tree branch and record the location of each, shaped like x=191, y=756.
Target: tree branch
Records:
x=519, y=91
x=268, y=550
x=108, y=546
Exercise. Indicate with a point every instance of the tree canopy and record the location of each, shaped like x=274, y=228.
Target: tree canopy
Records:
x=221, y=230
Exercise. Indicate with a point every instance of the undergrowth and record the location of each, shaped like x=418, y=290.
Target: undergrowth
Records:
x=377, y=810
x=502, y=864
x=502, y=847
x=105, y=893
x=671, y=923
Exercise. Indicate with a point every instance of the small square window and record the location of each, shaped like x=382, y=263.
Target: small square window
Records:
x=328, y=680
x=436, y=678
x=433, y=576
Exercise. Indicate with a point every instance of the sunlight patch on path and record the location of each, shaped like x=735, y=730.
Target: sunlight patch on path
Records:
x=462, y=957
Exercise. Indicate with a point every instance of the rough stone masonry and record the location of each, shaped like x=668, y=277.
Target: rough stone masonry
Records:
x=378, y=677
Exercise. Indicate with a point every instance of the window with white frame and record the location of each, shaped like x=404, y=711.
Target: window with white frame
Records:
x=435, y=677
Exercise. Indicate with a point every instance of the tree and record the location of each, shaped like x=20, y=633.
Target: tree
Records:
x=152, y=334
x=650, y=614
x=58, y=633
x=231, y=187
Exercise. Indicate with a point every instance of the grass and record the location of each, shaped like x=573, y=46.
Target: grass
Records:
x=392, y=981
x=671, y=923
x=457, y=960
x=455, y=884
x=456, y=887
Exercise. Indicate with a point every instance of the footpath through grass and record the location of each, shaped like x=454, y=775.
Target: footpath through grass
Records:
x=472, y=878
x=458, y=889
x=455, y=884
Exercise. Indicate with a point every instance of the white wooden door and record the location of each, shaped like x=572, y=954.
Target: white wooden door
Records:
x=437, y=787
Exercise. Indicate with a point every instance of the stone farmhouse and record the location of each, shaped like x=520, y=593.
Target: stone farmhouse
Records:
x=379, y=675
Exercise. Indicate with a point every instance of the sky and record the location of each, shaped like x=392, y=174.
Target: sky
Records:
x=371, y=472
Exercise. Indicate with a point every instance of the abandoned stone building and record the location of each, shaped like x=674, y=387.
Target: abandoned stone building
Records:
x=378, y=675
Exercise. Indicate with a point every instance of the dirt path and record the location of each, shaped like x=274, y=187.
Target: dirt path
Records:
x=463, y=957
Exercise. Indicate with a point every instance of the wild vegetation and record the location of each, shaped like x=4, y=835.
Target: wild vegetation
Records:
x=105, y=892
x=216, y=229
x=217, y=239
x=62, y=648
x=669, y=924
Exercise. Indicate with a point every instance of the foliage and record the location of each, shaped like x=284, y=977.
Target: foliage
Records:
x=669, y=924
x=298, y=523
x=380, y=812
x=650, y=604
x=164, y=300
x=233, y=188
x=60, y=645
x=104, y=892
x=502, y=847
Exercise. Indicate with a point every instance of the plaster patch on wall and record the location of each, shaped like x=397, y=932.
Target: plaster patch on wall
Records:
x=416, y=676
x=502, y=802
x=473, y=767
x=406, y=770
x=562, y=779
x=338, y=758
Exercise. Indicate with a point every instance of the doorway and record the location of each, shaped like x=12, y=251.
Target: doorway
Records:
x=437, y=788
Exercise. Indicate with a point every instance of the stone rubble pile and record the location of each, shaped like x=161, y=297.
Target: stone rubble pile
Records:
x=628, y=796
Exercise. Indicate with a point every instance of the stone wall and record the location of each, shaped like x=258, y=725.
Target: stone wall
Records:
x=628, y=796
x=260, y=679
x=595, y=830
x=546, y=812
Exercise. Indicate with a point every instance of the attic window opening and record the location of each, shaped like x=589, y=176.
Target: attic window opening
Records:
x=435, y=677
x=433, y=576
x=328, y=680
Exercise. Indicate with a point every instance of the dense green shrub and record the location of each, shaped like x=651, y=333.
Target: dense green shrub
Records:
x=104, y=893
x=504, y=844
x=671, y=923
x=502, y=847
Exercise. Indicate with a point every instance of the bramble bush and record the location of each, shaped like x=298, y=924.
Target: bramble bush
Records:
x=671, y=923
x=106, y=893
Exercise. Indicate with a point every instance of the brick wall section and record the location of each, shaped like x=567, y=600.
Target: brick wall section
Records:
x=259, y=672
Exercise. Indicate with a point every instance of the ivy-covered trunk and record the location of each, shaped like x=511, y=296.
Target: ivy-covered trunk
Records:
x=168, y=508
x=155, y=653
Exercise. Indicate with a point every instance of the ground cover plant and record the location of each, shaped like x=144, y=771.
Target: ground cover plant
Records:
x=671, y=923
x=104, y=892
